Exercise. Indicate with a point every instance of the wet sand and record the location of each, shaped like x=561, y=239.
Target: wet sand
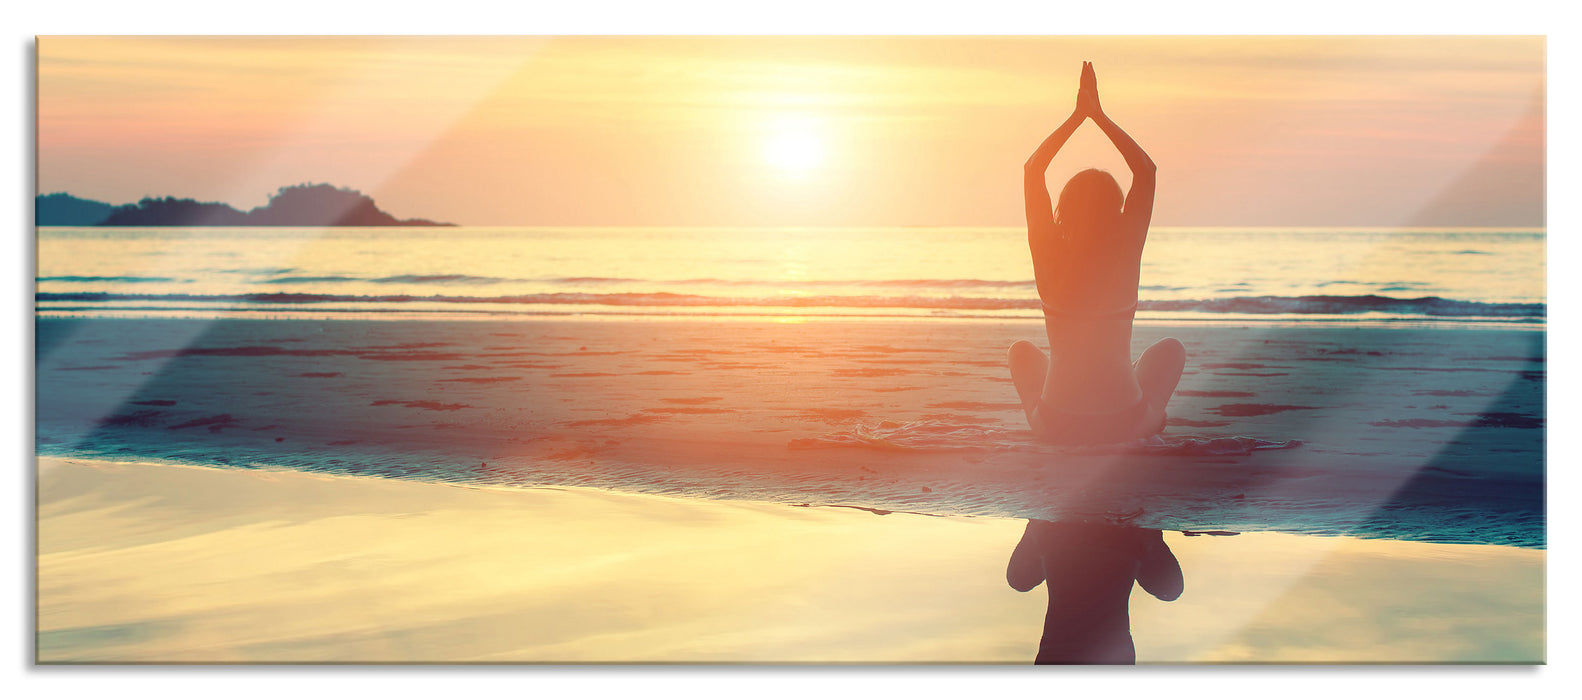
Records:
x=159, y=563
x=1407, y=433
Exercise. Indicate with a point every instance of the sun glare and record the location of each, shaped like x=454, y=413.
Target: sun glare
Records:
x=794, y=146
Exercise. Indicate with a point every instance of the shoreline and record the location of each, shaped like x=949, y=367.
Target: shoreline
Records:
x=1250, y=321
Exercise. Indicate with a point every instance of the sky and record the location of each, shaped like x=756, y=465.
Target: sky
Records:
x=801, y=131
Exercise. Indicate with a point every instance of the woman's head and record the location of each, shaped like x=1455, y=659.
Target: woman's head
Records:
x=1089, y=197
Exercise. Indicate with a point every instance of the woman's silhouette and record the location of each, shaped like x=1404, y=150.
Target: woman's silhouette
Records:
x=1086, y=259
x=1089, y=570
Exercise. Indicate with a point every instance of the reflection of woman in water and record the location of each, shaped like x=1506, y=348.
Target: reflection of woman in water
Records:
x=1089, y=570
x=1086, y=260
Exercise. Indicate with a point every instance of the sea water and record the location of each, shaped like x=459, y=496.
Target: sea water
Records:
x=1286, y=275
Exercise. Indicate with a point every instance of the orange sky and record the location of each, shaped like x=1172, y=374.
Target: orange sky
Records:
x=1284, y=131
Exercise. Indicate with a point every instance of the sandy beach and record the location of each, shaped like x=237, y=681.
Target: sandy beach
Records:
x=1427, y=434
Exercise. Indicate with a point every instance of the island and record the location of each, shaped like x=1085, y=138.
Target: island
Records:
x=297, y=205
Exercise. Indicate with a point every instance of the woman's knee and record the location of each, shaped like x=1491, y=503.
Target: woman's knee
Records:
x=1167, y=352
x=1024, y=351
x=1160, y=367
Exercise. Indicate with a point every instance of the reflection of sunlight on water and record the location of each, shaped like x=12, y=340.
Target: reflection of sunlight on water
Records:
x=193, y=564
x=304, y=568
x=1269, y=597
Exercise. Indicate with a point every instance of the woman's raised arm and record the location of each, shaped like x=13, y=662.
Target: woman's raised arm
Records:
x=1035, y=192
x=1040, y=211
x=1140, y=200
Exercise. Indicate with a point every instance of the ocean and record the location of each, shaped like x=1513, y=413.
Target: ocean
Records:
x=1244, y=275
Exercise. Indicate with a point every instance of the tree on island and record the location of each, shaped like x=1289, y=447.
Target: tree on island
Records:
x=169, y=211
x=298, y=205
x=61, y=209
x=320, y=205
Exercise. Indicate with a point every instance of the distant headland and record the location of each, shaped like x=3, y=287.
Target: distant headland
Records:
x=297, y=205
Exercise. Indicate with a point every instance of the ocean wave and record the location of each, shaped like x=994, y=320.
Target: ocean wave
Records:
x=1332, y=305
x=394, y=279
x=588, y=280
x=438, y=279
x=1264, y=305
x=134, y=280
x=904, y=283
x=311, y=280
x=457, y=279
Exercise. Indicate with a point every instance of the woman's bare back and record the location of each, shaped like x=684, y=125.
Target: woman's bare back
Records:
x=1087, y=259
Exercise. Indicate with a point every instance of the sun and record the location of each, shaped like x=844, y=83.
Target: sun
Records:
x=794, y=146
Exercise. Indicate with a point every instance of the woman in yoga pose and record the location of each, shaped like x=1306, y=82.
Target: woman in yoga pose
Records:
x=1087, y=254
